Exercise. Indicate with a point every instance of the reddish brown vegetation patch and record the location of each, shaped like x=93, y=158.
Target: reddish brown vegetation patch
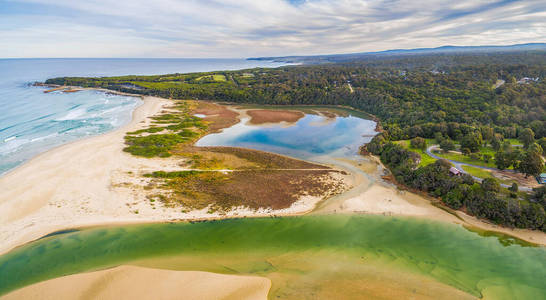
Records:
x=328, y=114
x=217, y=116
x=266, y=159
x=261, y=116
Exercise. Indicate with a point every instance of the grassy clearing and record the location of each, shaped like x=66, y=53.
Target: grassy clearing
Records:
x=488, y=150
x=465, y=159
x=514, y=142
x=214, y=77
x=481, y=173
x=425, y=158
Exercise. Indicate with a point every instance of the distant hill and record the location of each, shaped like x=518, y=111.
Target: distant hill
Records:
x=313, y=59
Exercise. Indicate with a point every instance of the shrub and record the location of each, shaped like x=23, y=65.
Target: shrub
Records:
x=152, y=145
x=418, y=143
x=447, y=145
x=490, y=185
x=514, y=188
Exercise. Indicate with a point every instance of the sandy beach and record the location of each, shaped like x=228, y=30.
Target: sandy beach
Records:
x=372, y=195
x=92, y=182
x=134, y=282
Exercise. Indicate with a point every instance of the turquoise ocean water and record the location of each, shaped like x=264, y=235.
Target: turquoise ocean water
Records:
x=32, y=122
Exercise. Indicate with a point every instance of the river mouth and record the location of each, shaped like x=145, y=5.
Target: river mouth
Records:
x=310, y=254
x=324, y=256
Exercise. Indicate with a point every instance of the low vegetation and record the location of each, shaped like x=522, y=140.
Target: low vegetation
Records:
x=451, y=98
x=261, y=188
x=219, y=178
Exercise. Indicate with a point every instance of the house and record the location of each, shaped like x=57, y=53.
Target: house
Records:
x=542, y=178
x=454, y=171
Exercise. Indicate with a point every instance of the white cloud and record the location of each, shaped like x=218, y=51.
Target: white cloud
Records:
x=241, y=28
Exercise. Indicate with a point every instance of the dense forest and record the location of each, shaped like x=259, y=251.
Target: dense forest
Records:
x=468, y=99
x=413, y=95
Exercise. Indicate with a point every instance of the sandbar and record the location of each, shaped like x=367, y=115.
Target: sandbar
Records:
x=131, y=282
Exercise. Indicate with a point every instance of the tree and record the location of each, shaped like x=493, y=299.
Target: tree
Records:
x=439, y=137
x=527, y=137
x=514, y=188
x=536, y=148
x=490, y=185
x=418, y=143
x=487, y=133
x=454, y=198
x=531, y=164
x=503, y=160
x=447, y=145
x=472, y=141
x=542, y=143
x=496, y=141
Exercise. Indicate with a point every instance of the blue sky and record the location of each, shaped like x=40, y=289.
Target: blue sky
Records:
x=243, y=28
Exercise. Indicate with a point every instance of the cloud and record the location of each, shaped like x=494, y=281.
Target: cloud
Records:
x=242, y=28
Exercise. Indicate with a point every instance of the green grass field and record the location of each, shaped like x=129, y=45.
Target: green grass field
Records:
x=481, y=173
x=514, y=142
x=214, y=77
x=465, y=159
x=425, y=158
x=488, y=150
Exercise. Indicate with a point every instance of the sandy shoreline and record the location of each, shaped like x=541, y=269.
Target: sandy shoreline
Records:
x=87, y=183
x=91, y=182
x=133, y=283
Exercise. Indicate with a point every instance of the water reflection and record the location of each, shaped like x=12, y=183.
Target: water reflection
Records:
x=312, y=135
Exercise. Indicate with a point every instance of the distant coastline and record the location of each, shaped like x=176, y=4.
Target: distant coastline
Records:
x=330, y=58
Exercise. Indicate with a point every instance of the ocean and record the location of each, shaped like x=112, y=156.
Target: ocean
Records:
x=32, y=122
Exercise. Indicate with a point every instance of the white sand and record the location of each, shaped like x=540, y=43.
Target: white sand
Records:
x=372, y=195
x=130, y=282
x=93, y=182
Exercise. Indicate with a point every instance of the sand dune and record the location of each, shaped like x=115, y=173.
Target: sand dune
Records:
x=130, y=282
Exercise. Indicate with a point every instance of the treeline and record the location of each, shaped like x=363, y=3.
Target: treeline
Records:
x=486, y=200
x=468, y=98
x=409, y=94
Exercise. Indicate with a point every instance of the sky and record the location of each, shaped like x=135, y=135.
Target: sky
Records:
x=252, y=28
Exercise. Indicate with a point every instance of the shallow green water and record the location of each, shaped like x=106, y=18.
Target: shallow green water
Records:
x=444, y=252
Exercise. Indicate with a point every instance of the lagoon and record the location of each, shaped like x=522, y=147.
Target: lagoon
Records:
x=312, y=136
